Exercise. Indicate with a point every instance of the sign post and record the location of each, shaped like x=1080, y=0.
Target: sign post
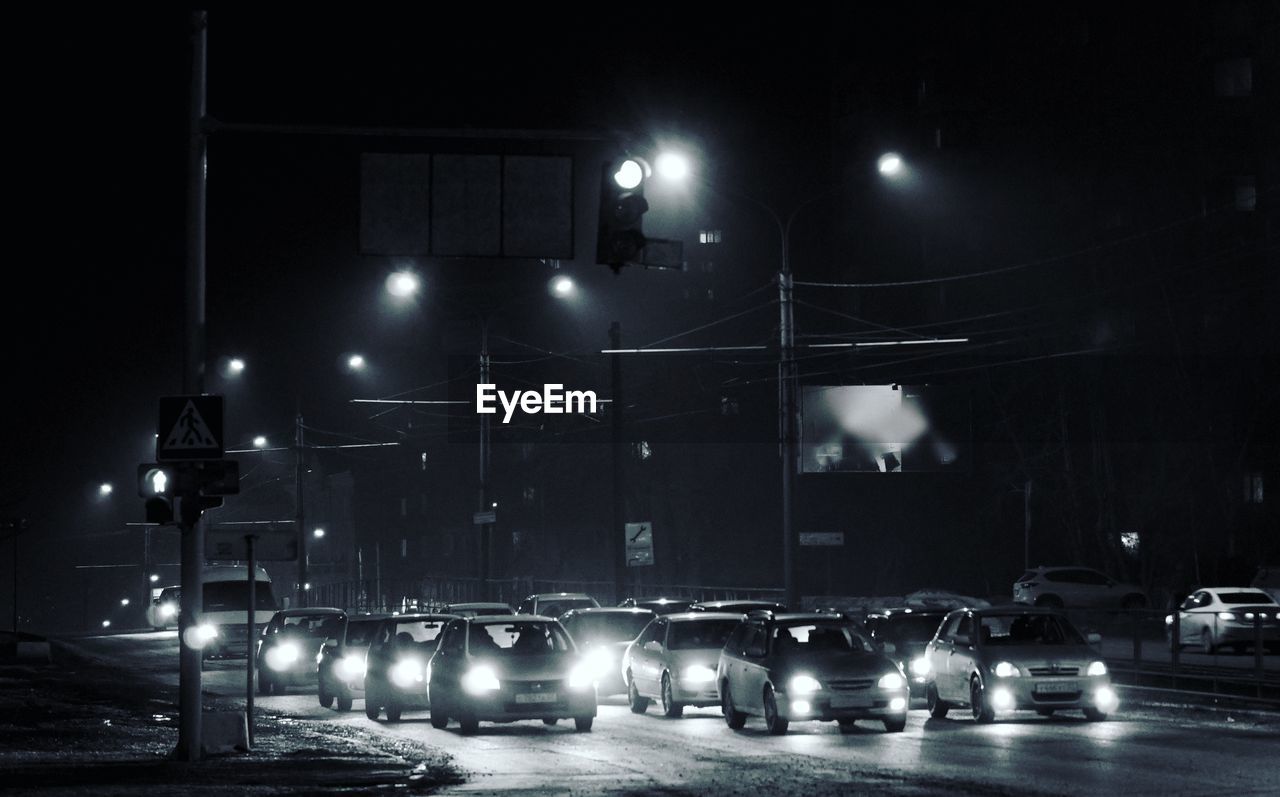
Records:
x=250, y=657
x=639, y=541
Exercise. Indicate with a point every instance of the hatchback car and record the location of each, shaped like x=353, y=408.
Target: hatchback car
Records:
x=658, y=605
x=791, y=667
x=290, y=644
x=1076, y=587
x=1004, y=659
x=505, y=669
x=163, y=611
x=1234, y=616
x=905, y=632
x=340, y=662
x=603, y=636
x=674, y=661
x=737, y=606
x=554, y=604
x=396, y=671
x=474, y=609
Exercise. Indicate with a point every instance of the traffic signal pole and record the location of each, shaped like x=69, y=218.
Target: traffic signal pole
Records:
x=617, y=531
x=190, y=658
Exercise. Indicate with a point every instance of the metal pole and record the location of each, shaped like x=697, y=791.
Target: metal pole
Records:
x=787, y=429
x=486, y=531
x=250, y=659
x=299, y=517
x=15, y=589
x=617, y=532
x=1026, y=526
x=146, y=571
x=190, y=658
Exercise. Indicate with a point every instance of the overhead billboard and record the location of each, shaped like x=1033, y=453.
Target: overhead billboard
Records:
x=884, y=429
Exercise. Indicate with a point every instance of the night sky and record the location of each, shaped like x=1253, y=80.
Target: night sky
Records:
x=93, y=305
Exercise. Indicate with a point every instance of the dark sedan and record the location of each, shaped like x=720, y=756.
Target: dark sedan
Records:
x=396, y=667
x=603, y=635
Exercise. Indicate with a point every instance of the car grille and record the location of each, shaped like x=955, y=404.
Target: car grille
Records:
x=849, y=684
x=1041, y=672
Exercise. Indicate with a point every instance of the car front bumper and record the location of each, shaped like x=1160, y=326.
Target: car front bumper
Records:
x=1026, y=692
x=505, y=705
x=828, y=705
x=696, y=693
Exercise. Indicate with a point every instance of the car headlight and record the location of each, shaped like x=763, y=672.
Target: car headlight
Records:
x=1168, y=619
x=407, y=672
x=350, y=666
x=1226, y=616
x=803, y=685
x=921, y=666
x=891, y=680
x=282, y=656
x=698, y=674
x=206, y=632
x=480, y=679
x=1097, y=668
x=168, y=610
x=1005, y=670
x=600, y=661
x=582, y=676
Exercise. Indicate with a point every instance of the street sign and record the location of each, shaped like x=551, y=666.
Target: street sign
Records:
x=639, y=544
x=272, y=542
x=190, y=427
x=822, y=538
x=481, y=518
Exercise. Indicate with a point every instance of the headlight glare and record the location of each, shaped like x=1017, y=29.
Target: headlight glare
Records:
x=600, y=661
x=1226, y=616
x=481, y=679
x=581, y=676
x=891, y=680
x=407, y=672
x=351, y=666
x=282, y=656
x=698, y=674
x=803, y=685
x=1097, y=668
x=1005, y=670
x=167, y=610
x=921, y=666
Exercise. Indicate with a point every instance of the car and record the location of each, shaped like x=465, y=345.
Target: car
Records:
x=341, y=661
x=658, y=605
x=1267, y=579
x=603, y=636
x=1004, y=659
x=288, y=651
x=674, y=661
x=554, y=604
x=1076, y=587
x=1217, y=616
x=737, y=606
x=396, y=666
x=162, y=614
x=904, y=632
x=505, y=669
x=223, y=629
x=474, y=609
x=808, y=666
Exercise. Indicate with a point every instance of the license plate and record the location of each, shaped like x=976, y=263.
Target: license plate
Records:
x=843, y=701
x=1057, y=687
x=537, y=697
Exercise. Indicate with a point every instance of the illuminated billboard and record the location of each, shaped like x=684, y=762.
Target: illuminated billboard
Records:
x=883, y=428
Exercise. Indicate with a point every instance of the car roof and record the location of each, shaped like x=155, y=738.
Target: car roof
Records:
x=686, y=617
x=303, y=612
x=662, y=599
x=739, y=602
x=898, y=611
x=476, y=604
x=415, y=616
x=595, y=610
x=486, y=619
x=1012, y=608
x=787, y=617
x=1258, y=590
x=541, y=595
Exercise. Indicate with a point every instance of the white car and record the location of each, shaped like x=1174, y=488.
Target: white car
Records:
x=163, y=611
x=1081, y=587
x=1226, y=616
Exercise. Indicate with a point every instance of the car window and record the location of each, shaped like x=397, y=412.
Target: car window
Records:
x=1030, y=575
x=360, y=632
x=966, y=629
x=517, y=639
x=738, y=639
x=1244, y=597
x=554, y=607
x=693, y=634
x=908, y=628
x=313, y=625
x=948, y=634
x=621, y=627
x=807, y=637
x=419, y=631
x=1060, y=576
x=1028, y=629
x=1093, y=577
x=1203, y=598
x=755, y=637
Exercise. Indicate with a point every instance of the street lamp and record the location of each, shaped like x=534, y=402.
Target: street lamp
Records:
x=672, y=166
x=890, y=164
x=155, y=577
x=562, y=287
x=356, y=362
x=259, y=442
x=124, y=601
x=318, y=533
x=235, y=366
x=403, y=284
x=105, y=489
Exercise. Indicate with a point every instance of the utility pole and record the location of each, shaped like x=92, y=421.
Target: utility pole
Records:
x=787, y=427
x=190, y=658
x=304, y=555
x=486, y=530
x=617, y=530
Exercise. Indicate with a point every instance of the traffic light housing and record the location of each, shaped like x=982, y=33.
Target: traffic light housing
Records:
x=620, y=239
x=157, y=484
x=203, y=483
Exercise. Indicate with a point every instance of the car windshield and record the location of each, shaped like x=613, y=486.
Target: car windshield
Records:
x=1028, y=629
x=692, y=634
x=169, y=595
x=810, y=636
x=230, y=596
x=359, y=632
x=910, y=627
x=517, y=639
x=417, y=630
x=314, y=625
x=621, y=627
x=1244, y=597
x=554, y=607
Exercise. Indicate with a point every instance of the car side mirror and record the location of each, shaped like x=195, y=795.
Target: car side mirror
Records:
x=1094, y=638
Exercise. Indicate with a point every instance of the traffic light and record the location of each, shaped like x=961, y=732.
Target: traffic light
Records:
x=622, y=207
x=158, y=484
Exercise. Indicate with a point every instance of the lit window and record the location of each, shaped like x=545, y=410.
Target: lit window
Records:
x=1233, y=77
x=709, y=236
x=643, y=451
x=1246, y=193
x=1253, y=488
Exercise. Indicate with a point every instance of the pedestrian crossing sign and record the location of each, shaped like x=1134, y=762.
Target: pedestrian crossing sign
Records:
x=190, y=427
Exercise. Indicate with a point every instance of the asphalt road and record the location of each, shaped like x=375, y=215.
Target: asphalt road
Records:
x=1141, y=751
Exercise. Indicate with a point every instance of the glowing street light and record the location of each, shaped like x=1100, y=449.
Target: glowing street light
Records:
x=235, y=366
x=402, y=284
x=259, y=442
x=106, y=623
x=124, y=601
x=356, y=362
x=318, y=533
x=155, y=577
x=890, y=164
x=672, y=166
x=562, y=286
x=105, y=489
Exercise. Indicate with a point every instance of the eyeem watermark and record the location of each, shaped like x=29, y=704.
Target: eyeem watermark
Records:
x=553, y=400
